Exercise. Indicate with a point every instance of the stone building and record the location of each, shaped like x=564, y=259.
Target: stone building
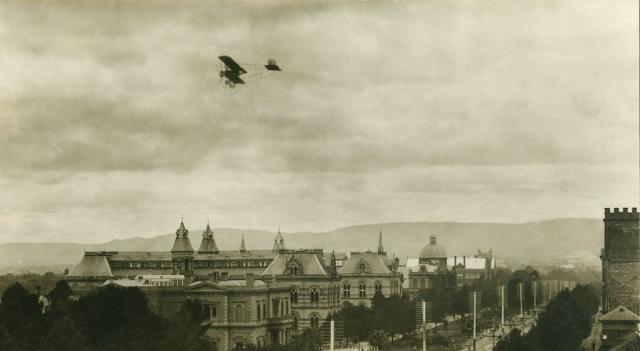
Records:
x=314, y=286
x=368, y=273
x=311, y=276
x=240, y=312
x=97, y=266
x=473, y=269
x=432, y=271
x=620, y=330
x=621, y=260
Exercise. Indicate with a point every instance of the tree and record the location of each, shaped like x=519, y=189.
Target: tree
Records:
x=309, y=340
x=64, y=336
x=461, y=300
x=358, y=321
x=377, y=339
x=186, y=329
x=441, y=302
x=394, y=315
x=115, y=318
x=61, y=292
x=19, y=312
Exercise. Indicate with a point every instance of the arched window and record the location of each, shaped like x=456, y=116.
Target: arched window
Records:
x=378, y=288
x=422, y=284
x=362, y=290
x=314, y=295
x=294, y=296
x=314, y=319
x=346, y=290
x=239, y=313
x=414, y=283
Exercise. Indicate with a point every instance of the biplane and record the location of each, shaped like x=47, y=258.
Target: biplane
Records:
x=231, y=72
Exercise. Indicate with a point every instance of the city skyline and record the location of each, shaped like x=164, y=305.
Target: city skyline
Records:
x=114, y=121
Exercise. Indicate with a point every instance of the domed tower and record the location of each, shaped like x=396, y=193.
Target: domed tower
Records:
x=182, y=252
x=433, y=254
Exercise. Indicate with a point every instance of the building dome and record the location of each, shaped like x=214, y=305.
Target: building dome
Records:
x=433, y=250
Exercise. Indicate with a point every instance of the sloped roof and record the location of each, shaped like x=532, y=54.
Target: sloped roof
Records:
x=225, y=284
x=620, y=313
x=208, y=243
x=375, y=263
x=630, y=341
x=311, y=265
x=469, y=262
x=340, y=256
x=182, y=243
x=427, y=268
x=125, y=282
x=92, y=266
x=279, y=242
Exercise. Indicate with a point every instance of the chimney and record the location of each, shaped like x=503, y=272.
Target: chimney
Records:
x=455, y=261
x=464, y=261
x=249, y=278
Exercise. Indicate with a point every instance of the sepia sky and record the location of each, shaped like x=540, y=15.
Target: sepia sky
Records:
x=113, y=121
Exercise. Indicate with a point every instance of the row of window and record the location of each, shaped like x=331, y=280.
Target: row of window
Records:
x=362, y=289
x=314, y=295
x=196, y=264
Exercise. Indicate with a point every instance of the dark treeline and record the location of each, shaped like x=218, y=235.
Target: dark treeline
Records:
x=563, y=324
x=108, y=319
x=30, y=281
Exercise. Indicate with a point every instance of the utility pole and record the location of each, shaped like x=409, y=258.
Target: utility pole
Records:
x=331, y=341
x=502, y=315
x=474, y=320
x=535, y=286
x=520, y=293
x=424, y=326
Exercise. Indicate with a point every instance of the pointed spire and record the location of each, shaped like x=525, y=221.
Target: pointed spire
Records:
x=208, y=243
x=278, y=242
x=182, y=243
x=380, y=247
x=242, y=247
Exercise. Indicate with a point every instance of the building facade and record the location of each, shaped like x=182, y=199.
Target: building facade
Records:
x=621, y=260
x=239, y=312
x=432, y=271
x=368, y=273
x=314, y=286
x=311, y=279
x=470, y=270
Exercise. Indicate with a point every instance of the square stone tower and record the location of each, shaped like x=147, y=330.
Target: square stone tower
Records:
x=621, y=259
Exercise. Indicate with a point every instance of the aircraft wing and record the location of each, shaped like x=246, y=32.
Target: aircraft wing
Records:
x=232, y=65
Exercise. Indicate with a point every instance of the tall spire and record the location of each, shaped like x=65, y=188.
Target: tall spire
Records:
x=380, y=247
x=182, y=243
x=242, y=247
x=278, y=242
x=208, y=243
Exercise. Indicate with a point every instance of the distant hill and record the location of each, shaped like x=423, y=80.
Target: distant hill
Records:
x=522, y=240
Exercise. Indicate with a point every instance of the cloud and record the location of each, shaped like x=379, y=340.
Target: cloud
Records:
x=383, y=109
